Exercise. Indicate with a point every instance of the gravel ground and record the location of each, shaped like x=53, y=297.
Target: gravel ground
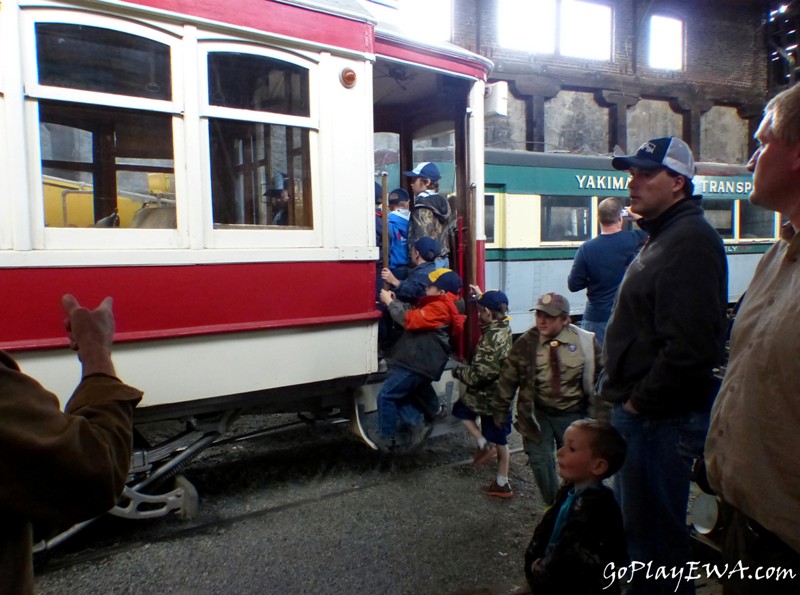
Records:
x=313, y=510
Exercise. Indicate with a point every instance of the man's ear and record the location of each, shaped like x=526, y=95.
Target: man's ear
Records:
x=678, y=183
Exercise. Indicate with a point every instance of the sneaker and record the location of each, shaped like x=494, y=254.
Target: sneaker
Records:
x=497, y=491
x=382, y=367
x=385, y=445
x=484, y=455
x=419, y=434
x=442, y=414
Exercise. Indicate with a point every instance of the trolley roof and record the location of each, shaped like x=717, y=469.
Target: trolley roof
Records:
x=345, y=24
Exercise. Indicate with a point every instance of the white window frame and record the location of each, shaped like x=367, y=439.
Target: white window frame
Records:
x=96, y=238
x=268, y=237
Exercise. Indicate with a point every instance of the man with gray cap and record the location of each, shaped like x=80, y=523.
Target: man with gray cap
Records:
x=554, y=365
x=664, y=339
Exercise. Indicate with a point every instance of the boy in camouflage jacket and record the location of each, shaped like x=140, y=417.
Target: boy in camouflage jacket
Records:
x=480, y=377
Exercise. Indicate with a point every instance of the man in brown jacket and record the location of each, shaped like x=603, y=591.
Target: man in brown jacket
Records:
x=60, y=468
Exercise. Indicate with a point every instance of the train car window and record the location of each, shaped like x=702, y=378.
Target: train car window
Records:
x=439, y=148
x=566, y=218
x=104, y=166
x=102, y=60
x=755, y=222
x=259, y=83
x=387, y=159
x=260, y=122
x=488, y=217
x=259, y=175
x=719, y=212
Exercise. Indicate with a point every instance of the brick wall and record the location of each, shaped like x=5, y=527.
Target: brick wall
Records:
x=725, y=61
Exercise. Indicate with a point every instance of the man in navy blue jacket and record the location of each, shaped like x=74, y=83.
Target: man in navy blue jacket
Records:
x=600, y=264
x=664, y=339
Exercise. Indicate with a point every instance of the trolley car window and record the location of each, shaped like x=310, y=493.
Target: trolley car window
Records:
x=566, y=218
x=245, y=81
x=259, y=175
x=102, y=60
x=439, y=148
x=488, y=217
x=719, y=212
x=103, y=166
x=755, y=222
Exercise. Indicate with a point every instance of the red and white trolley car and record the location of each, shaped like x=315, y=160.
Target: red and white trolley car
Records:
x=210, y=165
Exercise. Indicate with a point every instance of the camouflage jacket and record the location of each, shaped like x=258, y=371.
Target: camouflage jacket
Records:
x=430, y=217
x=580, y=359
x=480, y=376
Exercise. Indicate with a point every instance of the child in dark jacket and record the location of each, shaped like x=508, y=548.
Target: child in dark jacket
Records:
x=581, y=534
x=419, y=358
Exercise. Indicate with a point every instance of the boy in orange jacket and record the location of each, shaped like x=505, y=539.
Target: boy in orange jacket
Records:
x=418, y=359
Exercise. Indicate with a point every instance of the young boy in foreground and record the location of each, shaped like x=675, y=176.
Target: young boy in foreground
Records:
x=582, y=532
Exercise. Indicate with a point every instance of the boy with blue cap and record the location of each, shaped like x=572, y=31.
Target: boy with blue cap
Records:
x=430, y=215
x=480, y=377
x=410, y=289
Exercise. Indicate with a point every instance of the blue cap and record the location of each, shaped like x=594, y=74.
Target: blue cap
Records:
x=494, y=299
x=378, y=192
x=446, y=280
x=398, y=195
x=427, y=247
x=426, y=169
x=669, y=152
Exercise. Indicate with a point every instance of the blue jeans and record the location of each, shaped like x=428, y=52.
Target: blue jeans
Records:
x=406, y=397
x=541, y=450
x=653, y=492
x=598, y=328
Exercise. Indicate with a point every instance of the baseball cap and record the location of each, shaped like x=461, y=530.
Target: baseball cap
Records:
x=427, y=247
x=493, y=299
x=426, y=169
x=669, y=152
x=446, y=280
x=553, y=304
x=378, y=192
x=398, y=195
x=277, y=185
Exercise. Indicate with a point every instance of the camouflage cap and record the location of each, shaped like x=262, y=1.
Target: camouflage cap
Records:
x=553, y=304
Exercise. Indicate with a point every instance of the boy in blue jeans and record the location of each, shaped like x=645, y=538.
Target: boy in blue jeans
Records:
x=418, y=359
x=480, y=377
